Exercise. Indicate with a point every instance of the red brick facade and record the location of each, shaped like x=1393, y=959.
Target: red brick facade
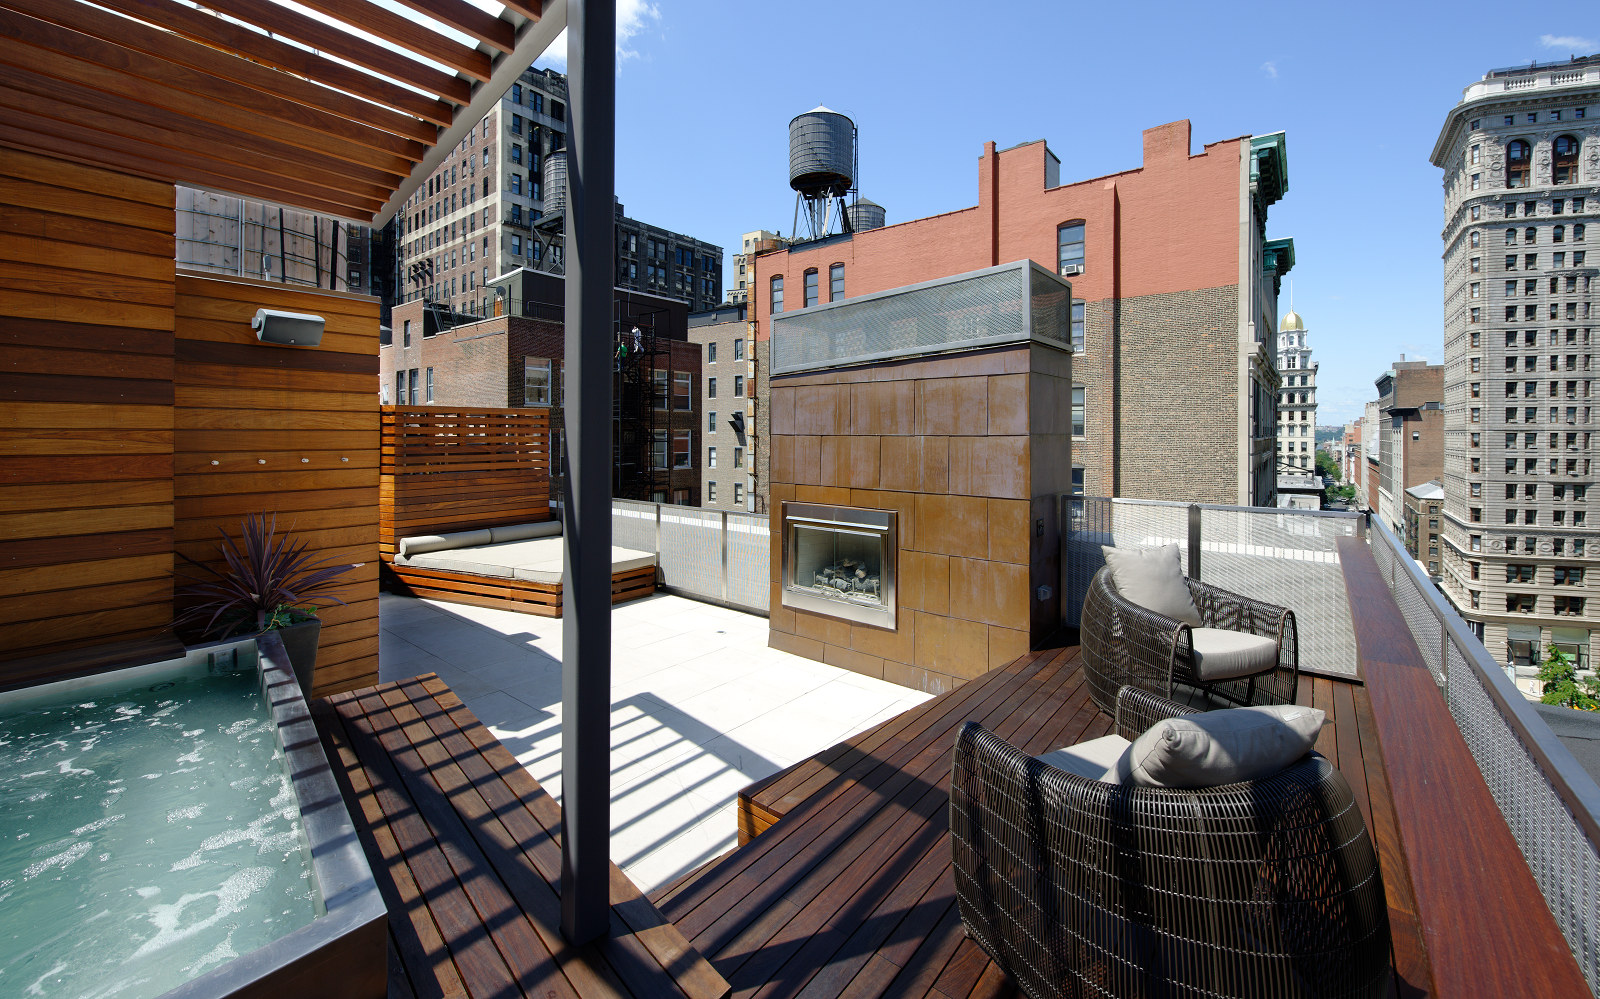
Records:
x=1171, y=308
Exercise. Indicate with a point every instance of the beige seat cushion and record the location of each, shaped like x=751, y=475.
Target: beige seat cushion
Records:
x=526, y=532
x=424, y=543
x=1219, y=747
x=1088, y=759
x=1153, y=579
x=1226, y=655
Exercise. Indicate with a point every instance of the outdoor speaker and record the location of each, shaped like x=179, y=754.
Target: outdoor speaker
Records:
x=296, y=329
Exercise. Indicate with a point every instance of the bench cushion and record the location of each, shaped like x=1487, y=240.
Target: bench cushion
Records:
x=1220, y=654
x=423, y=543
x=525, y=532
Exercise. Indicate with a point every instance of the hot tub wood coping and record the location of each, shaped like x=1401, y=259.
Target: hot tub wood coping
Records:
x=465, y=847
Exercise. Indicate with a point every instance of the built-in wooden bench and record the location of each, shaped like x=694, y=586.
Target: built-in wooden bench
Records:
x=466, y=851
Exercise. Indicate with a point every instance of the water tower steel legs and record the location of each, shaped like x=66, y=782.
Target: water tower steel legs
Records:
x=586, y=584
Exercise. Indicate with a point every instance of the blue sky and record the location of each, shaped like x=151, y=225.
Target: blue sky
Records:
x=705, y=92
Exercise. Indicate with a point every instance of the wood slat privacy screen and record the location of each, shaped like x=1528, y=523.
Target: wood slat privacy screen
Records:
x=251, y=98
x=446, y=469
x=141, y=416
x=86, y=422
x=286, y=430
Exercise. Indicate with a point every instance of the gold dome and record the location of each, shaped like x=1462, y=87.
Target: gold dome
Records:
x=1292, y=323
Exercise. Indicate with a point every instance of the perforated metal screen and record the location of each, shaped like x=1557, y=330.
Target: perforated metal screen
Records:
x=691, y=545
x=1006, y=304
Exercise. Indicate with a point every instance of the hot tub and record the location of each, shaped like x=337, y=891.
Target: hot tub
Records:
x=173, y=830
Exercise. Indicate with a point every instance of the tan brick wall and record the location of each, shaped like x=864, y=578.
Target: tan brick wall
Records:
x=950, y=445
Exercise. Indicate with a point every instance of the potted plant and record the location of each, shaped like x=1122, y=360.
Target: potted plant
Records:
x=269, y=582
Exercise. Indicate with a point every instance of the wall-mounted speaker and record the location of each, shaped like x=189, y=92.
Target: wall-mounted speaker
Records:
x=295, y=329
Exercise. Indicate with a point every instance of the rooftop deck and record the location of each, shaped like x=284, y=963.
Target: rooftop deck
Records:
x=847, y=889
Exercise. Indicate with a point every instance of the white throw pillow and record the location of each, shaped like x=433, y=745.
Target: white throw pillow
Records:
x=1219, y=747
x=1153, y=579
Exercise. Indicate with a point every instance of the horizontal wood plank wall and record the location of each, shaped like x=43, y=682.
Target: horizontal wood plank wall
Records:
x=291, y=430
x=86, y=407
x=449, y=469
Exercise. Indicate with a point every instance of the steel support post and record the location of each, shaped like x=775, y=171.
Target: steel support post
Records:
x=586, y=577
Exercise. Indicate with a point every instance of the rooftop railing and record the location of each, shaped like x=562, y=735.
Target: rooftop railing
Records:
x=1297, y=558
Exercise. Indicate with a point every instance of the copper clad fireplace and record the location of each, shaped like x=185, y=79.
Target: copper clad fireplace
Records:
x=840, y=561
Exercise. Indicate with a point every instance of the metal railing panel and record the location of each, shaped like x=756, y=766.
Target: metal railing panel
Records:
x=719, y=556
x=1550, y=803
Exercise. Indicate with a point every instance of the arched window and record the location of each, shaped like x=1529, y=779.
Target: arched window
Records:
x=1069, y=247
x=1519, y=156
x=1565, y=150
x=810, y=288
x=777, y=294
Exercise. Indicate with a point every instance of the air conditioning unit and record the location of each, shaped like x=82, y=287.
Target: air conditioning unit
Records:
x=1071, y=270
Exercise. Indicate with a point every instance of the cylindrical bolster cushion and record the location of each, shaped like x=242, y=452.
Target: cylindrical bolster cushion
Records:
x=523, y=532
x=442, y=542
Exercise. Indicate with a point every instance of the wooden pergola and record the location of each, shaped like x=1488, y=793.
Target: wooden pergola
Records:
x=343, y=113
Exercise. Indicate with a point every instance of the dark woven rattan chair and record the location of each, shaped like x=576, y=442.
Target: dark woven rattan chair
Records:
x=1126, y=644
x=1079, y=888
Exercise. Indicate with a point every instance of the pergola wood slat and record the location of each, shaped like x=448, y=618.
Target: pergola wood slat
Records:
x=253, y=164
x=134, y=66
x=225, y=34
x=90, y=154
x=530, y=9
x=407, y=34
x=146, y=121
x=179, y=51
x=326, y=38
x=464, y=17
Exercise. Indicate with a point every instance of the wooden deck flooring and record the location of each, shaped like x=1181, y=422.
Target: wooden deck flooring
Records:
x=465, y=848
x=850, y=890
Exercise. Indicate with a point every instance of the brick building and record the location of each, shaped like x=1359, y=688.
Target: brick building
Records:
x=1175, y=301
x=727, y=448
x=515, y=360
x=1521, y=159
x=1410, y=435
x=1422, y=506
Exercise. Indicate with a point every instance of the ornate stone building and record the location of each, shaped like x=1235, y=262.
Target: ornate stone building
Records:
x=1521, y=161
x=1297, y=399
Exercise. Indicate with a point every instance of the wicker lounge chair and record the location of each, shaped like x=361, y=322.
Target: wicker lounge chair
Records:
x=1075, y=887
x=1124, y=643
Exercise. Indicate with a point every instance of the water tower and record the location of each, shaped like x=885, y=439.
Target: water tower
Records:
x=864, y=214
x=822, y=171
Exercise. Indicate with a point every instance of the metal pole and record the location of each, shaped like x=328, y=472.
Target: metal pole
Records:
x=586, y=598
x=1194, y=541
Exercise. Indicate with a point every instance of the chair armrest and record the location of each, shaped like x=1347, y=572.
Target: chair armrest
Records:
x=1138, y=710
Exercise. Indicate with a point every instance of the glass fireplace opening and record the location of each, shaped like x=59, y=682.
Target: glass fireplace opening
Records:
x=840, y=561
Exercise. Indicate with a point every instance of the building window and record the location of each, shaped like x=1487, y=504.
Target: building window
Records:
x=536, y=381
x=658, y=450
x=738, y=492
x=711, y=457
x=738, y=349
x=1069, y=248
x=835, y=282
x=430, y=385
x=711, y=492
x=711, y=353
x=680, y=390
x=680, y=448
x=738, y=457
x=1569, y=606
x=1565, y=162
x=810, y=289
x=658, y=388
x=1477, y=181
x=1077, y=411
x=1519, y=157
x=777, y=295
x=412, y=396
x=516, y=246
x=738, y=386
x=406, y=334
x=711, y=388
x=1077, y=325
x=711, y=421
